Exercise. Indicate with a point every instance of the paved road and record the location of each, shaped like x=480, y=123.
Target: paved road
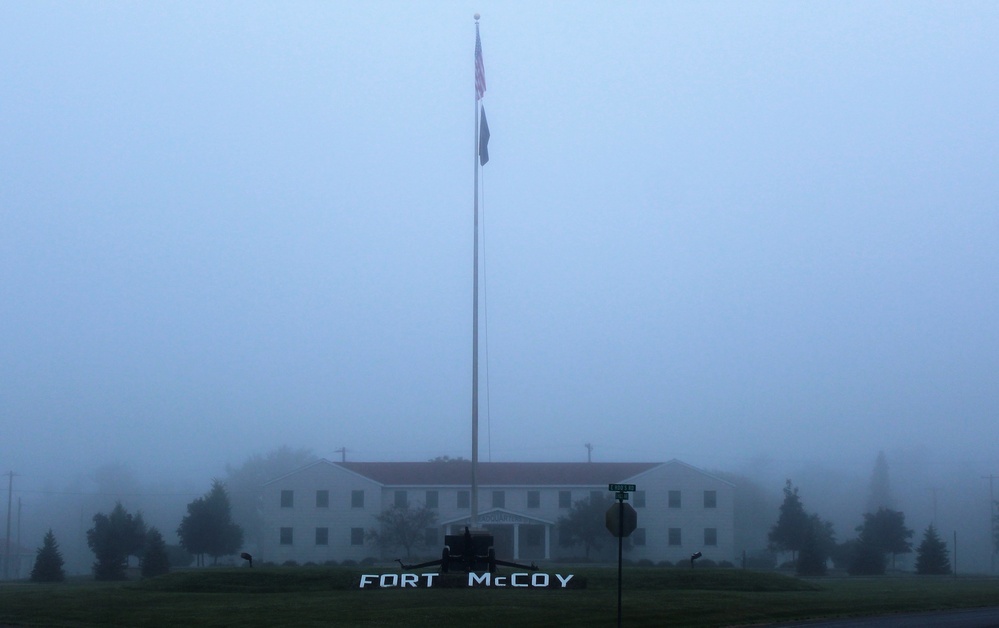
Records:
x=966, y=618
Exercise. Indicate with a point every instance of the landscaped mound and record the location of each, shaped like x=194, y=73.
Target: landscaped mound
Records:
x=287, y=579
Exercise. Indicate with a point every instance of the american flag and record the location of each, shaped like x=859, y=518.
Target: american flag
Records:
x=480, y=70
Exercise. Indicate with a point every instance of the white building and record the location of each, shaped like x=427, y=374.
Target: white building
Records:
x=323, y=510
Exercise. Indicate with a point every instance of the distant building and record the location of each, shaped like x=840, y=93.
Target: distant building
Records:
x=323, y=510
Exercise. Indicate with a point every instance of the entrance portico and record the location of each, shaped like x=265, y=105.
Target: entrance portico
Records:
x=514, y=535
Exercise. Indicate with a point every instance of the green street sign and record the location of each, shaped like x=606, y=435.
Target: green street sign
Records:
x=621, y=495
x=621, y=487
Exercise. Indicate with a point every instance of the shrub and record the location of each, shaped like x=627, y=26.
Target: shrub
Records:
x=290, y=563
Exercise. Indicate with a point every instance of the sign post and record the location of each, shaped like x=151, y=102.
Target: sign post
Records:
x=621, y=520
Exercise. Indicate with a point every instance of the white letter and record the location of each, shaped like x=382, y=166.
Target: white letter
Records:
x=539, y=580
x=565, y=580
x=513, y=580
x=409, y=580
x=394, y=577
x=476, y=578
x=364, y=580
x=500, y=581
x=430, y=578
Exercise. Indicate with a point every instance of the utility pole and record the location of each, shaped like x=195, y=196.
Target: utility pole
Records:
x=992, y=521
x=6, y=552
x=589, y=452
x=343, y=453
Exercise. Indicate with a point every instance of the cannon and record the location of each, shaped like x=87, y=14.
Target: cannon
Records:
x=468, y=552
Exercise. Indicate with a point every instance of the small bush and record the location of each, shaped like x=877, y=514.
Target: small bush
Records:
x=664, y=563
x=331, y=563
x=725, y=564
x=348, y=563
x=290, y=563
x=645, y=562
x=368, y=561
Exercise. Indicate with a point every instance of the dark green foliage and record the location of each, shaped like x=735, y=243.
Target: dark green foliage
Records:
x=885, y=530
x=48, y=561
x=793, y=524
x=113, y=539
x=402, y=526
x=867, y=559
x=818, y=543
x=586, y=524
x=932, y=557
x=208, y=528
x=155, y=561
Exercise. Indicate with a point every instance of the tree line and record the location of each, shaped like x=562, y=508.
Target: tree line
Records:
x=119, y=535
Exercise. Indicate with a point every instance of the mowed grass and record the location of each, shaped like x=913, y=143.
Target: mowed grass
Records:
x=318, y=596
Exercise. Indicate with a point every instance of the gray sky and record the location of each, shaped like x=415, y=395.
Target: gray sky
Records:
x=713, y=231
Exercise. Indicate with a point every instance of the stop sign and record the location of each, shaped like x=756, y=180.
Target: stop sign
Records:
x=621, y=519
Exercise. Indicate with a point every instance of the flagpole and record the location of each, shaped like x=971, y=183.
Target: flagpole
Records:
x=475, y=301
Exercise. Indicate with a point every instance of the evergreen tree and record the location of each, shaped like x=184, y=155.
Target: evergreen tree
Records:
x=867, y=560
x=208, y=528
x=793, y=523
x=885, y=529
x=879, y=495
x=818, y=543
x=932, y=557
x=154, y=559
x=113, y=539
x=48, y=561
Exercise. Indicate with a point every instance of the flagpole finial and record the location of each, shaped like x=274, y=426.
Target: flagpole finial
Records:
x=476, y=16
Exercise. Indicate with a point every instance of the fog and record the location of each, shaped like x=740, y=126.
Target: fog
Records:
x=756, y=237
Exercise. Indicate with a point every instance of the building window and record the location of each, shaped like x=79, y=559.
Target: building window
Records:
x=322, y=536
x=674, y=499
x=499, y=499
x=534, y=499
x=432, y=499
x=322, y=499
x=639, y=499
x=357, y=536
x=430, y=537
x=674, y=536
x=565, y=499
x=287, y=499
x=357, y=499
x=401, y=500
x=287, y=536
x=710, y=499
x=711, y=536
x=638, y=536
x=463, y=500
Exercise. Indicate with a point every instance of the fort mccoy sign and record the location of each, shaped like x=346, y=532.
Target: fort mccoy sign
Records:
x=521, y=580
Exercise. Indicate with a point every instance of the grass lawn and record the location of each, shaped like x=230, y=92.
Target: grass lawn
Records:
x=318, y=596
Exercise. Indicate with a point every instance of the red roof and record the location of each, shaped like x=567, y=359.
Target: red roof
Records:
x=458, y=473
